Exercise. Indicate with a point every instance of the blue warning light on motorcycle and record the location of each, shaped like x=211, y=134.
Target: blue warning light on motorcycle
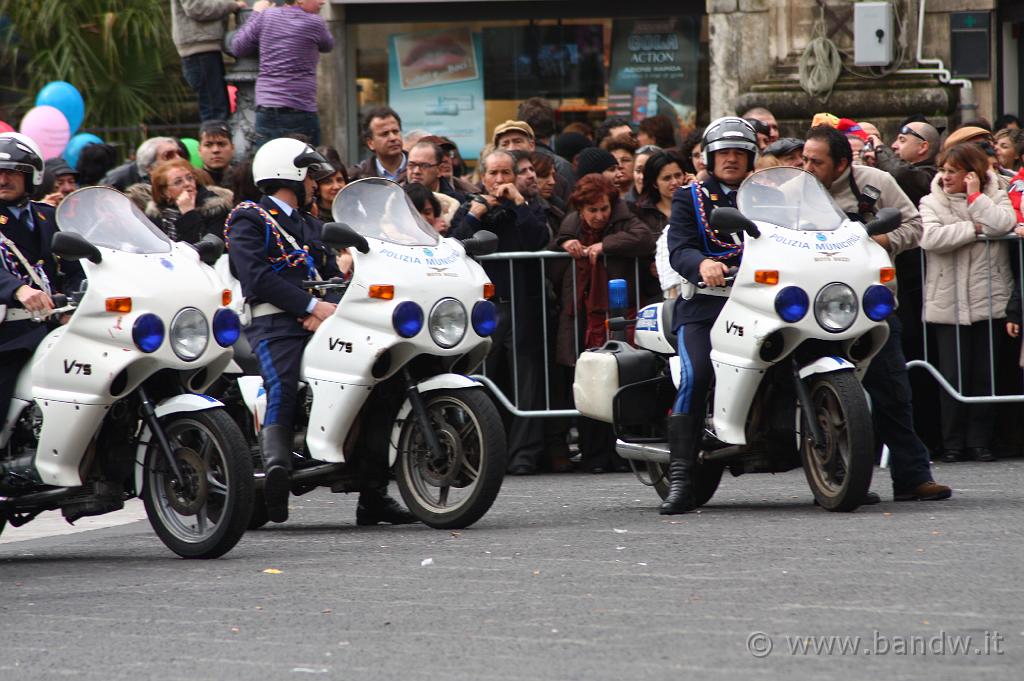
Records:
x=879, y=302
x=792, y=304
x=407, y=319
x=618, y=294
x=485, y=318
x=226, y=327
x=148, y=332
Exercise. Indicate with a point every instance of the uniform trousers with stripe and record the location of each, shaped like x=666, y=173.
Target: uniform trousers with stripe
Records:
x=280, y=361
x=695, y=370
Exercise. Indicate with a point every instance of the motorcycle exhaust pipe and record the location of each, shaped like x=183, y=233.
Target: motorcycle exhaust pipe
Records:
x=655, y=453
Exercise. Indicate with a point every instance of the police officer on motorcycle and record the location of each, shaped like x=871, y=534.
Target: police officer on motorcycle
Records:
x=700, y=254
x=274, y=246
x=30, y=274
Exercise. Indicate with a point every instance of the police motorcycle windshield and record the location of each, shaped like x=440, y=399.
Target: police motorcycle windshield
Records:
x=380, y=209
x=791, y=198
x=106, y=217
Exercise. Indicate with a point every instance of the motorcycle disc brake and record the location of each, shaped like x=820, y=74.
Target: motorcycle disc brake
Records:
x=191, y=495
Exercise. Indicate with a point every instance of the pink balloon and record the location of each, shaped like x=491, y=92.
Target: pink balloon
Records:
x=48, y=127
x=5, y=128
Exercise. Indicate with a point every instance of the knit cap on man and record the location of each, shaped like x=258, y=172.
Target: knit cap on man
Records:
x=594, y=160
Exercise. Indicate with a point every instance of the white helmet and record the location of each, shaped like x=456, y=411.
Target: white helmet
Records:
x=288, y=159
x=728, y=132
x=21, y=153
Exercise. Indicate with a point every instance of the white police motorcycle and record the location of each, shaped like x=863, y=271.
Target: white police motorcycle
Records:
x=109, y=407
x=413, y=321
x=805, y=314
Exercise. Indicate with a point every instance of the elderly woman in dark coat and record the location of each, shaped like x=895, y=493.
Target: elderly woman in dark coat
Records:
x=604, y=238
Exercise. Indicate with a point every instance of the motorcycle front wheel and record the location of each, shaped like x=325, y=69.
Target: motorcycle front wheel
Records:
x=457, y=488
x=839, y=473
x=208, y=512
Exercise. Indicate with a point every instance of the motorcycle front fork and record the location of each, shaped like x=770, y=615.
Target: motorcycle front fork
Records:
x=149, y=417
x=803, y=398
x=422, y=417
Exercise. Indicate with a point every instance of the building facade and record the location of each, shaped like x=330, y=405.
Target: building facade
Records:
x=459, y=67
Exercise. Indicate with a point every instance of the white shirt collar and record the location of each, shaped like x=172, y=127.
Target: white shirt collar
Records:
x=288, y=210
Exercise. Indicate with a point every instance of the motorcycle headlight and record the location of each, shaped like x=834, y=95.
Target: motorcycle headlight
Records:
x=448, y=322
x=791, y=304
x=226, y=327
x=189, y=334
x=879, y=302
x=835, y=307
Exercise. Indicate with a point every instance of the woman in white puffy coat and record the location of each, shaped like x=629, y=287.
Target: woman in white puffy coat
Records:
x=967, y=286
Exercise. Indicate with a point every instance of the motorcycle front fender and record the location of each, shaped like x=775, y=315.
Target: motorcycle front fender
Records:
x=826, y=365
x=447, y=381
x=175, y=404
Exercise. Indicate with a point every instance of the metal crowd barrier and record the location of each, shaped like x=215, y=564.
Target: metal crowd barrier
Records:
x=926, y=363
x=512, y=405
x=957, y=392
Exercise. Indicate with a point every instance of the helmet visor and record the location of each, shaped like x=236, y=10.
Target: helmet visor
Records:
x=315, y=164
x=17, y=167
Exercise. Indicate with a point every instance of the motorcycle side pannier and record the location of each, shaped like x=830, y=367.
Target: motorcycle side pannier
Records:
x=601, y=372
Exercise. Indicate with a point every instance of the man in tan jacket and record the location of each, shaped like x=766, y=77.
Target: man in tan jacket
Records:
x=862, y=191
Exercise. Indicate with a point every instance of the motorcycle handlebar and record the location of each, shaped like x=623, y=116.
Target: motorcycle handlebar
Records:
x=328, y=285
x=730, y=277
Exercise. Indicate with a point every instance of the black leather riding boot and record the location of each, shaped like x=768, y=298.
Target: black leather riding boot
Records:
x=276, y=449
x=682, y=442
x=376, y=506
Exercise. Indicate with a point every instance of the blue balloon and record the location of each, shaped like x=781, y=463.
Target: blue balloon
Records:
x=76, y=144
x=65, y=98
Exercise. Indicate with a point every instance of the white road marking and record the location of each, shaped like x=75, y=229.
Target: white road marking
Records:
x=52, y=523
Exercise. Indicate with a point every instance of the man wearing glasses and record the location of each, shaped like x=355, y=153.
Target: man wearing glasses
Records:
x=424, y=167
x=911, y=160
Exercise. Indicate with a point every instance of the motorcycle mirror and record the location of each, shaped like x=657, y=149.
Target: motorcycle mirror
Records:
x=340, y=236
x=727, y=220
x=210, y=248
x=481, y=243
x=885, y=221
x=74, y=247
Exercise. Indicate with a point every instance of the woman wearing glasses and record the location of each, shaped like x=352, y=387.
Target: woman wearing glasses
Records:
x=185, y=205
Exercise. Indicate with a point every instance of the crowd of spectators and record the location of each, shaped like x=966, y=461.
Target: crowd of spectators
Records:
x=603, y=195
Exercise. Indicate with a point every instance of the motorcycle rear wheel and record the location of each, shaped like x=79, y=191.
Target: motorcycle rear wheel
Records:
x=208, y=517
x=472, y=468
x=706, y=477
x=840, y=473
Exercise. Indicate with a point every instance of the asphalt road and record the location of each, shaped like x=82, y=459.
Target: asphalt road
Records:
x=568, y=577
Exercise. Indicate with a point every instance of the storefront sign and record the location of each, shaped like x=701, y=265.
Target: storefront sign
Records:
x=436, y=84
x=654, y=69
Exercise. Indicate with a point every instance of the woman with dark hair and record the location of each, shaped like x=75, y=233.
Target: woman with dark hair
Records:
x=657, y=130
x=94, y=162
x=604, y=238
x=184, y=204
x=554, y=208
x=327, y=188
x=663, y=174
x=967, y=287
x=690, y=152
x=243, y=188
x=427, y=205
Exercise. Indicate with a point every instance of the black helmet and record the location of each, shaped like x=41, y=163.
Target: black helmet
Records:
x=20, y=153
x=730, y=132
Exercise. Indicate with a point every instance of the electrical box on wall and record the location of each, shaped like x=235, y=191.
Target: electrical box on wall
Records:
x=873, y=33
